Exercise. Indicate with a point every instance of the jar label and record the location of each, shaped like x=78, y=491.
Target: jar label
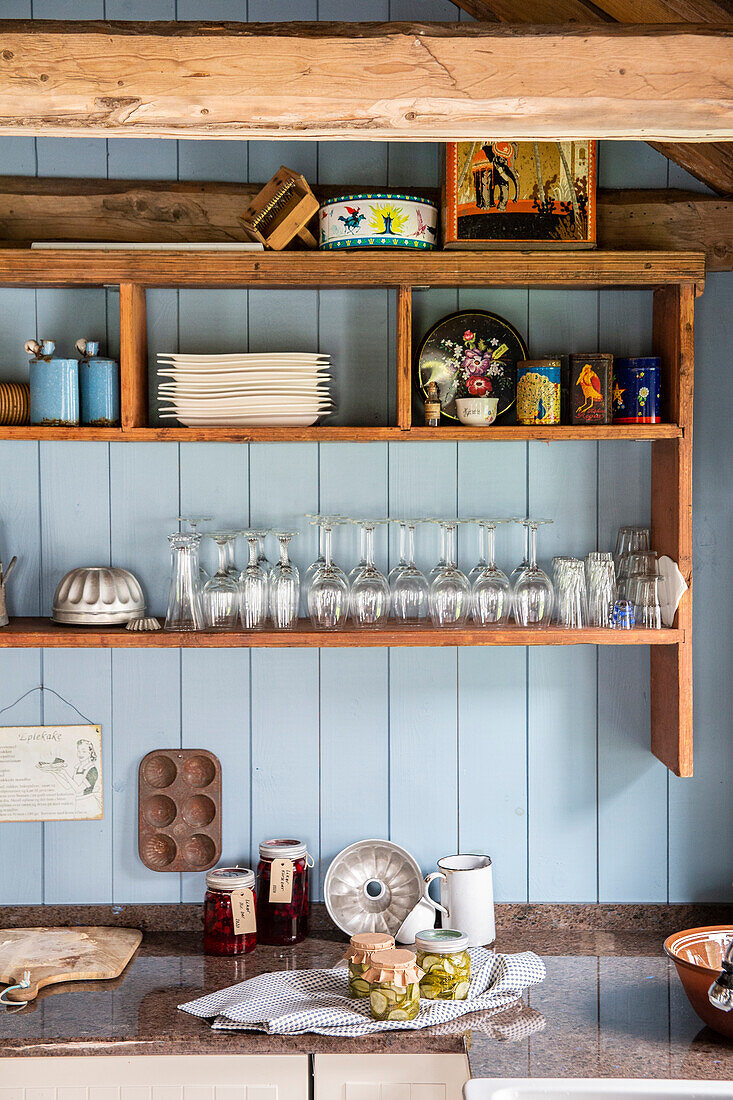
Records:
x=243, y=911
x=281, y=881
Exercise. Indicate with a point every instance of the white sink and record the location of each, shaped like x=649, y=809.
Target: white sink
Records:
x=551, y=1088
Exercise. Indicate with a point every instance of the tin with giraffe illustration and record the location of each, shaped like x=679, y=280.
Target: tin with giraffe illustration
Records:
x=636, y=391
x=538, y=391
x=589, y=388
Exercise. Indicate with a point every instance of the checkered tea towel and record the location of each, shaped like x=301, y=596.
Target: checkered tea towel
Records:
x=292, y=1002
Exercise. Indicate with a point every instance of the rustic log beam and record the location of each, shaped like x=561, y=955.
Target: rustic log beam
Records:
x=710, y=162
x=147, y=211
x=433, y=81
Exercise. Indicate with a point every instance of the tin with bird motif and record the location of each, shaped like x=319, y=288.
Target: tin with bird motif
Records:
x=589, y=388
x=538, y=391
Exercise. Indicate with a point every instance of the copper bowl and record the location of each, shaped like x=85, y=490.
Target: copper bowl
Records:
x=697, y=953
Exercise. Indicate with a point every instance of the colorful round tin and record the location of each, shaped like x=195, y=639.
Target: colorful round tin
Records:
x=378, y=220
x=538, y=391
x=636, y=390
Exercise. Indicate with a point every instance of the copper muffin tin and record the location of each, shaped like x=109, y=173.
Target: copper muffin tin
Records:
x=179, y=810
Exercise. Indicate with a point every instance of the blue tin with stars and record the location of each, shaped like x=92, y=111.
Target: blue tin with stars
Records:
x=637, y=390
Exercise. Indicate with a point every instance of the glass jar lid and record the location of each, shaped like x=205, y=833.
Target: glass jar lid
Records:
x=283, y=849
x=441, y=941
x=230, y=878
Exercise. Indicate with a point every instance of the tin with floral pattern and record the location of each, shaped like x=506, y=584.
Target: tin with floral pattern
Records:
x=637, y=390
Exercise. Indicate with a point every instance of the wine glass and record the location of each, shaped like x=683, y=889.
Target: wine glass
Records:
x=253, y=586
x=193, y=523
x=185, y=611
x=492, y=592
x=409, y=587
x=403, y=563
x=450, y=592
x=533, y=592
x=442, y=559
x=524, y=563
x=361, y=564
x=475, y=573
x=220, y=594
x=284, y=585
x=262, y=559
x=328, y=591
x=369, y=589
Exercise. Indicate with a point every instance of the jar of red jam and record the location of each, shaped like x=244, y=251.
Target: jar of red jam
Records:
x=230, y=902
x=282, y=887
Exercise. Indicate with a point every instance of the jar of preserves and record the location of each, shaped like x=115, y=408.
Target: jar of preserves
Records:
x=442, y=953
x=282, y=889
x=230, y=911
x=360, y=952
x=394, y=985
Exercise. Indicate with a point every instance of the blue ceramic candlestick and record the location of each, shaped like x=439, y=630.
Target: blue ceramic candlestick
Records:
x=99, y=386
x=54, y=386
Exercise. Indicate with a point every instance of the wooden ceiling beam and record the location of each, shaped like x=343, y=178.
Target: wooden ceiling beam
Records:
x=710, y=162
x=146, y=211
x=389, y=81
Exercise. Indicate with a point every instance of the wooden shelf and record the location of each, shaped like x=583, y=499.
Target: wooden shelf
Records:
x=332, y=434
x=210, y=268
x=31, y=633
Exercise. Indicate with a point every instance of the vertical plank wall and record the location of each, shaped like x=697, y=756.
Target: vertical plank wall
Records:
x=539, y=757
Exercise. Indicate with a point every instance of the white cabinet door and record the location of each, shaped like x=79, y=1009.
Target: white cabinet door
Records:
x=157, y=1077
x=390, y=1076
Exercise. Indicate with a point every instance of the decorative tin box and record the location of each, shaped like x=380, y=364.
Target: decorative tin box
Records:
x=588, y=381
x=636, y=391
x=538, y=391
x=377, y=221
x=520, y=194
x=54, y=386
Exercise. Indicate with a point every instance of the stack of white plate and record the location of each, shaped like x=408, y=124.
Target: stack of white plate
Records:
x=289, y=389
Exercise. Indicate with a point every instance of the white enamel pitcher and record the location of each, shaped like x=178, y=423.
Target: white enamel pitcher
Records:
x=466, y=897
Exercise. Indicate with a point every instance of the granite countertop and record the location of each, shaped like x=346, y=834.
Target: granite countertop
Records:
x=611, y=1005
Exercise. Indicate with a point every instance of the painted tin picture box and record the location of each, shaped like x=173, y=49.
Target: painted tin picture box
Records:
x=637, y=390
x=587, y=388
x=471, y=354
x=520, y=194
x=378, y=220
x=538, y=391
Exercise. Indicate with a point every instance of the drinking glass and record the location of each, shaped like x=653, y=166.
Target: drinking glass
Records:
x=284, y=586
x=623, y=615
x=262, y=559
x=601, y=591
x=194, y=523
x=442, y=558
x=328, y=591
x=570, y=593
x=533, y=592
x=362, y=562
x=253, y=584
x=647, y=609
x=474, y=573
x=220, y=594
x=631, y=539
x=184, y=601
x=492, y=592
x=409, y=586
x=450, y=591
x=404, y=562
x=637, y=565
x=369, y=589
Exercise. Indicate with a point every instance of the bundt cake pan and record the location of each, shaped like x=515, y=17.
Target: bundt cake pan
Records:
x=98, y=595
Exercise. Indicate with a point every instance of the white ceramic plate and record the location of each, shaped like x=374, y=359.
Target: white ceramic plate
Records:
x=241, y=372
x=274, y=420
x=264, y=410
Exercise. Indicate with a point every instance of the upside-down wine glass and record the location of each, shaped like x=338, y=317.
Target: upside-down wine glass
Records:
x=533, y=592
x=492, y=592
x=253, y=584
x=193, y=525
x=409, y=587
x=184, y=600
x=475, y=573
x=450, y=592
x=284, y=586
x=220, y=594
x=369, y=589
x=524, y=563
x=328, y=591
x=442, y=558
x=403, y=563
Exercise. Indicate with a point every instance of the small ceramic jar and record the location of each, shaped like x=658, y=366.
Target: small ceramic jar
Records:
x=360, y=952
x=394, y=985
x=54, y=386
x=229, y=903
x=99, y=386
x=442, y=953
x=282, y=889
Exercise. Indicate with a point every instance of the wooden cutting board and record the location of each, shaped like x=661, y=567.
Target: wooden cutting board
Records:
x=63, y=955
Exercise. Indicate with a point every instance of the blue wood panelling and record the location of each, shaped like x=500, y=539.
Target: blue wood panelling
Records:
x=539, y=757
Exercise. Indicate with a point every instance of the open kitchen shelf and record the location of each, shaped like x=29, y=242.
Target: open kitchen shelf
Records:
x=29, y=633
x=675, y=277
x=135, y=271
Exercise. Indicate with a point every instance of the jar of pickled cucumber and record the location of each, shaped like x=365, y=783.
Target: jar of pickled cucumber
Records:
x=394, y=985
x=360, y=953
x=442, y=953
